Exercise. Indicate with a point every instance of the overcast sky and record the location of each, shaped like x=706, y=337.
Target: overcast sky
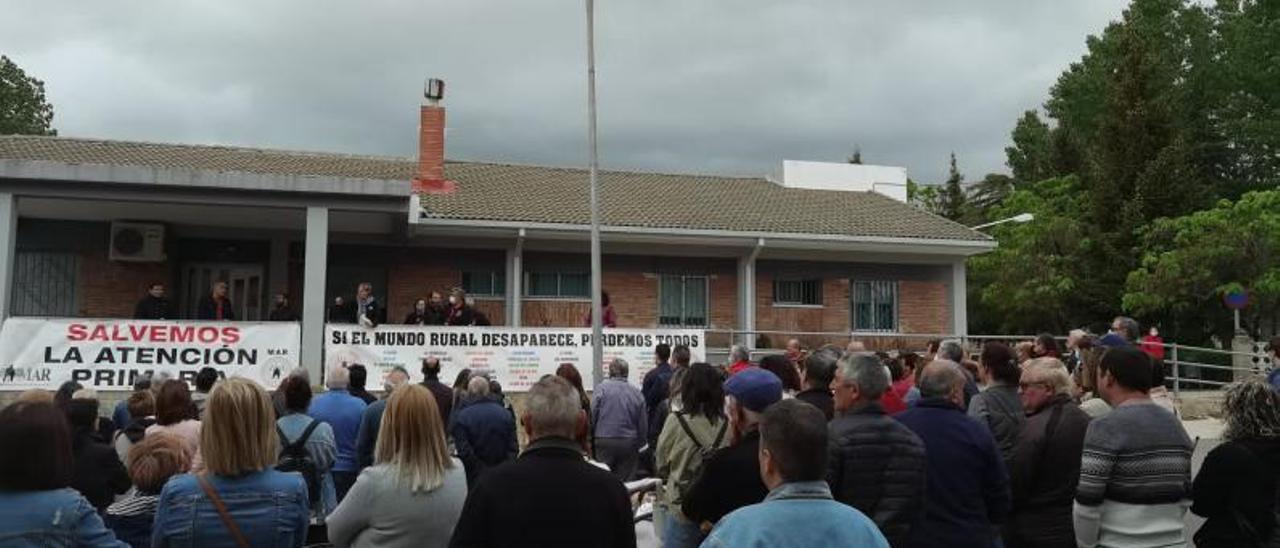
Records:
x=700, y=86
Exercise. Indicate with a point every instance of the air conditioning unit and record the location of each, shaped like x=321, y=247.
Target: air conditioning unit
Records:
x=137, y=242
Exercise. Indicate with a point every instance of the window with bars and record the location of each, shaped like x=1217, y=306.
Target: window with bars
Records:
x=44, y=284
x=797, y=292
x=484, y=283
x=575, y=285
x=875, y=306
x=682, y=301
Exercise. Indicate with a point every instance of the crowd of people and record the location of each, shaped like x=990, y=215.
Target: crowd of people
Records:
x=363, y=308
x=1029, y=445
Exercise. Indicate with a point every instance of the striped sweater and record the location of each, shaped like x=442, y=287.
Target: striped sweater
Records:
x=1135, y=478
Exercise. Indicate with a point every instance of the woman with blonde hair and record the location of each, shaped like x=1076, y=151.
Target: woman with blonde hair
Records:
x=239, y=499
x=413, y=495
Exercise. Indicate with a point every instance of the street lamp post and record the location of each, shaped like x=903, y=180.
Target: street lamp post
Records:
x=597, y=325
x=1020, y=218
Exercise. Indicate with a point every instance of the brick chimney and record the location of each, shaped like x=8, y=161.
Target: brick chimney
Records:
x=430, y=177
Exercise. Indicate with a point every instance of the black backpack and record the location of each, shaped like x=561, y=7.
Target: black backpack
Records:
x=294, y=458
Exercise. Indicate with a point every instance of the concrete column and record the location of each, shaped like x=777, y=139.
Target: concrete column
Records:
x=747, y=296
x=515, y=281
x=959, y=300
x=316, y=260
x=278, y=270
x=8, y=248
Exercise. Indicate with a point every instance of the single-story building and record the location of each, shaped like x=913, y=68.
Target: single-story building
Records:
x=86, y=225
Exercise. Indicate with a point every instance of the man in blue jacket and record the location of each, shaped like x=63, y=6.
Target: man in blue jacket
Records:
x=484, y=432
x=342, y=411
x=967, y=487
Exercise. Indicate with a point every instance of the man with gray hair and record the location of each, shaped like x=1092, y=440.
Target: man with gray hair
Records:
x=550, y=496
x=484, y=433
x=619, y=421
x=953, y=351
x=342, y=411
x=966, y=485
x=1126, y=327
x=739, y=359
x=1045, y=469
x=875, y=464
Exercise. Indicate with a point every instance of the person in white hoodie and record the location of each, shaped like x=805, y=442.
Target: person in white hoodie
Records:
x=1135, y=472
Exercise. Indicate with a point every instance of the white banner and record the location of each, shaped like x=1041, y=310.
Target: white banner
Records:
x=110, y=354
x=515, y=357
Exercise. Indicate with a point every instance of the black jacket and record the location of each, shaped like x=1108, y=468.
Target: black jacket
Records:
x=444, y=398
x=282, y=314
x=550, y=496
x=1043, y=473
x=1238, y=478
x=363, y=394
x=820, y=398
x=730, y=481
x=97, y=473
x=484, y=434
x=463, y=316
x=208, y=310
x=152, y=308
x=137, y=429
x=877, y=465
x=350, y=313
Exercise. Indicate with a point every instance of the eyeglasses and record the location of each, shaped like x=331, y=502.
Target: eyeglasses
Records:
x=1026, y=385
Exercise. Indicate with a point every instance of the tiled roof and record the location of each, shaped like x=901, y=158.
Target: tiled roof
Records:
x=502, y=192
x=216, y=158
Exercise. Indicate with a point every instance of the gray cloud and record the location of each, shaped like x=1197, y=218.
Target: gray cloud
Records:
x=684, y=85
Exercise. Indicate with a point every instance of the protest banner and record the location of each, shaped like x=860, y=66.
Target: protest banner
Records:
x=516, y=357
x=109, y=354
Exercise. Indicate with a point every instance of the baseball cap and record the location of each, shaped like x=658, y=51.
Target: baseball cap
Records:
x=754, y=388
x=1111, y=340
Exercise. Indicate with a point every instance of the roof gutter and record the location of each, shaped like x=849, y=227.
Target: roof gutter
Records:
x=976, y=246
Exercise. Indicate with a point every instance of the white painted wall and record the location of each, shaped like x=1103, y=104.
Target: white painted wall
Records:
x=887, y=180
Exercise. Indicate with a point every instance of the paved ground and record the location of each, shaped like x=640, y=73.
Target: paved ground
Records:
x=1207, y=433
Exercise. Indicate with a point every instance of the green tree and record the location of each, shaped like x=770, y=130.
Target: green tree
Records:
x=951, y=199
x=23, y=108
x=856, y=157
x=985, y=195
x=1247, y=101
x=1031, y=156
x=1038, y=277
x=1189, y=262
x=925, y=197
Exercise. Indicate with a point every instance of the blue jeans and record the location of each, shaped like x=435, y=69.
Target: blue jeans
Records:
x=678, y=532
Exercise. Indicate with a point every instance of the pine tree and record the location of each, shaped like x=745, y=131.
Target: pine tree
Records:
x=953, y=197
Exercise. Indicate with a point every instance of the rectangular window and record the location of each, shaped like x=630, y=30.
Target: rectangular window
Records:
x=682, y=301
x=797, y=292
x=44, y=284
x=875, y=306
x=575, y=285
x=484, y=283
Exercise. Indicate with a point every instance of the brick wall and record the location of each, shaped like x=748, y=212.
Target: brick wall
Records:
x=410, y=281
x=111, y=289
x=923, y=307
x=832, y=316
x=553, y=312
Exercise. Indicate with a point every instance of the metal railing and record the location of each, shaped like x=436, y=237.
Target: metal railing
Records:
x=1190, y=368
